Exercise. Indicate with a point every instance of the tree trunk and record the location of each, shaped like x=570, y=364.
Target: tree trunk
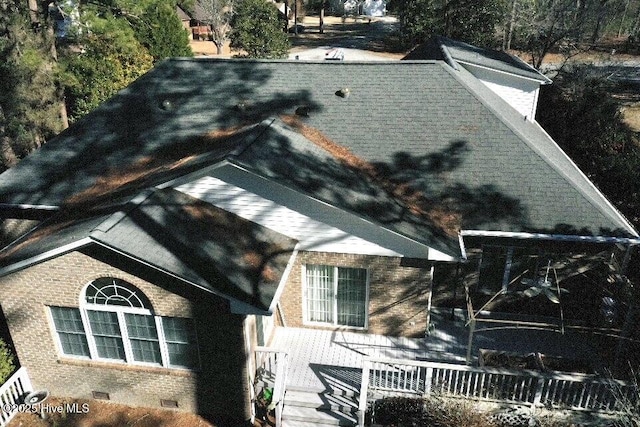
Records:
x=219, y=46
x=295, y=17
x=601, y=14
x=322, y=16
x=286, y=16
x=624, y=16
x=512, y=22
x=636, y=25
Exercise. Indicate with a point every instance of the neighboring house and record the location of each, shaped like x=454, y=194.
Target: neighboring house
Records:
x=371, y=8
x=185, y=19
x=157, y=241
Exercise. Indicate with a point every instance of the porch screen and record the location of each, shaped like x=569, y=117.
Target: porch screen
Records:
x=336, y=295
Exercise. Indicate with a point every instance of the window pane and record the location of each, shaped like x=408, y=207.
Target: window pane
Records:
x=183, y=355
x=141, y=326
x=143, y=337
x=110, y=348
x=104, y=323
x=320, y=282
x=67, y=319
x=181, y=341
x=352, y=296
x=74, y=344
x=107, y=335
x=146, y=351
x=70, y=329
x=177, y=329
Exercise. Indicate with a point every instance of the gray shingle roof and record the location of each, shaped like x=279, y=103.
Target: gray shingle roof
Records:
x=439, y=47
x=174, y=233
x=413, y=125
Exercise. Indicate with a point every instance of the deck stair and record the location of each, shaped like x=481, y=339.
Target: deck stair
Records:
x=307, y=407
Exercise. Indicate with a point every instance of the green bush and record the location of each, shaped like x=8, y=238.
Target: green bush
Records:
x=7, y=362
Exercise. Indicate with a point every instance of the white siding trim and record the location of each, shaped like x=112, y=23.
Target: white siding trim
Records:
x=318, y=226
x=283, y=281
x=521, y=93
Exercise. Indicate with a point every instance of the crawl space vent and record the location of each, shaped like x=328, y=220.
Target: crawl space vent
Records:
x=166, y=403
x=100, y=395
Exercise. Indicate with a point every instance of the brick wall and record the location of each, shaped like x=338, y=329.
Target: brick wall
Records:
x=218, y=388
x=397, y=295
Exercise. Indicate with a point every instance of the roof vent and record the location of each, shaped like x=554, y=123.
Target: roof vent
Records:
x=243, y=106
x=343, y=93
x=303, y=111
x=166, y=105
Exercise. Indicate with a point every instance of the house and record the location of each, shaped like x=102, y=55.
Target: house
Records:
x=185, y=19
x=154, y=244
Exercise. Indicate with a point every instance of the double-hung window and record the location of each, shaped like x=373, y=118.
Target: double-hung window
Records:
x=336, y=295
x=115, y=323
x=70, y=329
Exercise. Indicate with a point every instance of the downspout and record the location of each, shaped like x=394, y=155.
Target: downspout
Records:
x=448, y=58
x=427, y=332
x=626, y=259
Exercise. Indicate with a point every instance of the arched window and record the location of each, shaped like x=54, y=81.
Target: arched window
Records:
x=109, y=291
x=115, y=322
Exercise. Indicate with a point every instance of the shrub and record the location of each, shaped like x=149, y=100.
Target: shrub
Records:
x=431, y=412
x=7, y=362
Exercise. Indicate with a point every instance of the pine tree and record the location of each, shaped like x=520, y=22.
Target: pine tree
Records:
x=471, y=21
x=257, y=30
x=161, y=32
x=31, y=108
x=112, y=58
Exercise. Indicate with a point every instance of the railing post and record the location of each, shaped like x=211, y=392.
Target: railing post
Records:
x=11, y=391
x=427, y=381
x=540, y=382
x=364, y=389
x=280, y=385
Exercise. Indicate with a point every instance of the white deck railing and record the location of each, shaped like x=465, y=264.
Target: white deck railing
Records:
x=570, y=391
x=11, y=394
x=272, y=366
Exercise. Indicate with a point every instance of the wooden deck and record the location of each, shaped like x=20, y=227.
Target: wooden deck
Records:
x=322, y=360
x=332, y=360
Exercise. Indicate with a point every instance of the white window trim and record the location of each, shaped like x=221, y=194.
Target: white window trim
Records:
x=85, y=307
x=334, y=324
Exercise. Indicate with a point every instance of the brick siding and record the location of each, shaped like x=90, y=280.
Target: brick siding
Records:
x=219, y=388
x=397, y=295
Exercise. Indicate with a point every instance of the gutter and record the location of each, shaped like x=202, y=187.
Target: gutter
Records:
x=28, y=212
x=448, y=58
x=544, y=236
x=12, y=268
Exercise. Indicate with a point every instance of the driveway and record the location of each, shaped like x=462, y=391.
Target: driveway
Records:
x=359, y=38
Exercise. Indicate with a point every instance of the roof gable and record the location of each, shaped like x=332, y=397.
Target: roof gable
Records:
x=194, y=241
x=443, y=48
